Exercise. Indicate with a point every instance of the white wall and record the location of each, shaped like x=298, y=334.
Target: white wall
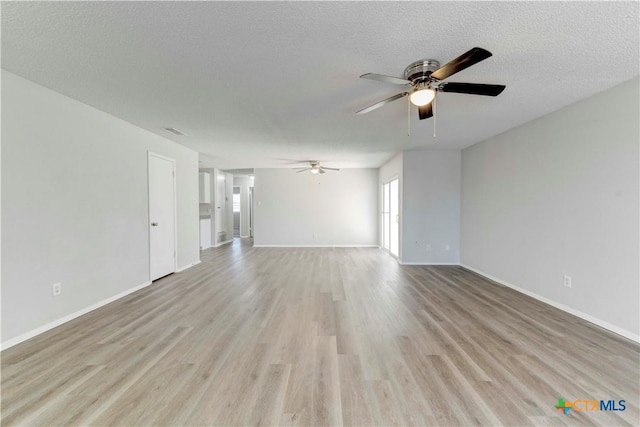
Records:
x=431, y=207
x=390, y=170
x=339, y=208
x=74, y=200
x=559, y=196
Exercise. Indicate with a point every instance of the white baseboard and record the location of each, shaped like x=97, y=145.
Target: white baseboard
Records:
x=315, y=246
x=428, y=263
x=606, y=325
x=37, y=331
x=188, y=266
x=202, y=248
x=244, y=237
x=222, y=243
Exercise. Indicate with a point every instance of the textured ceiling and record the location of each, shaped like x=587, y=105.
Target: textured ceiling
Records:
x=258, y=84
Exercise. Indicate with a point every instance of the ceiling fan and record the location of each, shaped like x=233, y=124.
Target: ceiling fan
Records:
x=424, y=78
x=315, y=168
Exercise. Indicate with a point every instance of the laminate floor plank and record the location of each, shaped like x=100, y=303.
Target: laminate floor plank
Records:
x=326, y=404
x=319, y=336
x=267, y=410
x=357, y=409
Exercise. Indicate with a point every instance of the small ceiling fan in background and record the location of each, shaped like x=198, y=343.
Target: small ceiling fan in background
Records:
x=424, y=78
x=314, y=167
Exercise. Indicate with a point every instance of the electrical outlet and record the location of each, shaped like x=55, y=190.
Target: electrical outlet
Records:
x=56, y=289
x=428, y=246
x=567, y=281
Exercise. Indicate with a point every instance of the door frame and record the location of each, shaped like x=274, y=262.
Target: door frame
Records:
x=175, y=209
x=383, y=225
x=250, y=211
x=385, y=181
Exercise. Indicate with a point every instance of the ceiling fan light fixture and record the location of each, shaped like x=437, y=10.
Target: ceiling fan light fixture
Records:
x=422, y=97
x=315, y=170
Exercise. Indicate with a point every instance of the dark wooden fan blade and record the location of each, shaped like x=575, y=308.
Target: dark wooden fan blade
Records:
x=321, y=170
x=473, y=88
x=330, y=169
x=463, y=61
x=302, y=170
x=387, y=79
x=425, y=111
x=383, y=102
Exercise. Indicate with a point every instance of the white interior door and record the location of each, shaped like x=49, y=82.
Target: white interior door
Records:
x=162, y=220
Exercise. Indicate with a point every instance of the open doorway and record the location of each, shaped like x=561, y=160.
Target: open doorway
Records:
x=236, y=211
x=241, y=201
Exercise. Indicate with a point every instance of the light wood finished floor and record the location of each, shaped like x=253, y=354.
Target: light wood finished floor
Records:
x=319, y=337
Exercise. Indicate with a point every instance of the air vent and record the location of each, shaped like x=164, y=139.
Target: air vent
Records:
x=174, y=131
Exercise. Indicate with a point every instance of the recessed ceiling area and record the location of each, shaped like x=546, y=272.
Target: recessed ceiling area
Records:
x=262, y=84
x=239, y=172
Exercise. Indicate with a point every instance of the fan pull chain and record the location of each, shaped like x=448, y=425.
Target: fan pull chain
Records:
x=435, y=113
x=408, y=117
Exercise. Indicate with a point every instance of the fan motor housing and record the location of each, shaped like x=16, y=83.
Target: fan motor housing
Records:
x=421, y=70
